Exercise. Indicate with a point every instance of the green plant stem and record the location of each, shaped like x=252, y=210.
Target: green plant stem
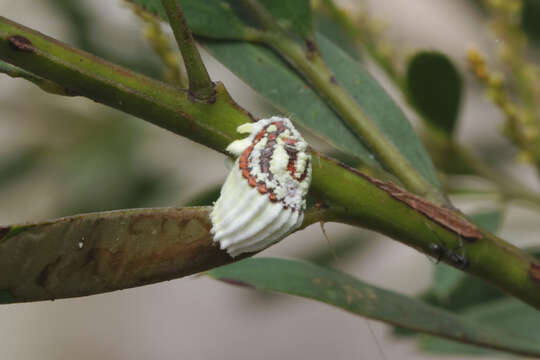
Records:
x=262, y=15
x=509, y=188
x=200, y=84
x=175, y=71
x=322, y=79
x=344, y=194
x=312, y=66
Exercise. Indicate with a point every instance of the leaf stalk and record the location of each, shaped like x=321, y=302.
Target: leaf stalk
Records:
x=200, y=84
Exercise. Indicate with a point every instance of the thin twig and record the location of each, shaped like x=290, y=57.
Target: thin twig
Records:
x=175, y=71
x=200, y=84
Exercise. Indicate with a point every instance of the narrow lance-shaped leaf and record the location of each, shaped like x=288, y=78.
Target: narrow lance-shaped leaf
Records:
x=327, y=25
x=453, y=289
x=345, y=292
x=212, y=18
x=293, y=15
x=480, y=302
x=506, y=314
x=290, y=94
x=379, y=107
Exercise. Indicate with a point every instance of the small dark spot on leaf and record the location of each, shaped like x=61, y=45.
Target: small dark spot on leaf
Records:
x=41, y=279
x=534, y=272
x=237, y=283
x=20, y=43
x=333, y=80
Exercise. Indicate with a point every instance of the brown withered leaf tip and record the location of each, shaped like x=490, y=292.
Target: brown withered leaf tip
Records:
x=534, y=272
x=20, y=43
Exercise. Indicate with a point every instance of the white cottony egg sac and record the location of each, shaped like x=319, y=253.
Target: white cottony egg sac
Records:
x=264, y=196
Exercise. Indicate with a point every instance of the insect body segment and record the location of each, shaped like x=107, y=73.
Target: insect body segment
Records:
x=442, y=252
x=263, y=198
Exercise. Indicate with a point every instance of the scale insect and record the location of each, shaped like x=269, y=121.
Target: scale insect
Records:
x=263, y=197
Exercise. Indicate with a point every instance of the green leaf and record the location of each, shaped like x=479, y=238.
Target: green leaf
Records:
x=283, y=87
x=434, y=88
x=481, y=302
x=343, y=291
x=291, y=95
x=530, y=18
x=217, y=19
x=506, y=314
x=455, y=290
x=336, y=33
x=102, y=252
x=379, y=107
x=293, y=15
x=212, y=18
x=152, y=6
